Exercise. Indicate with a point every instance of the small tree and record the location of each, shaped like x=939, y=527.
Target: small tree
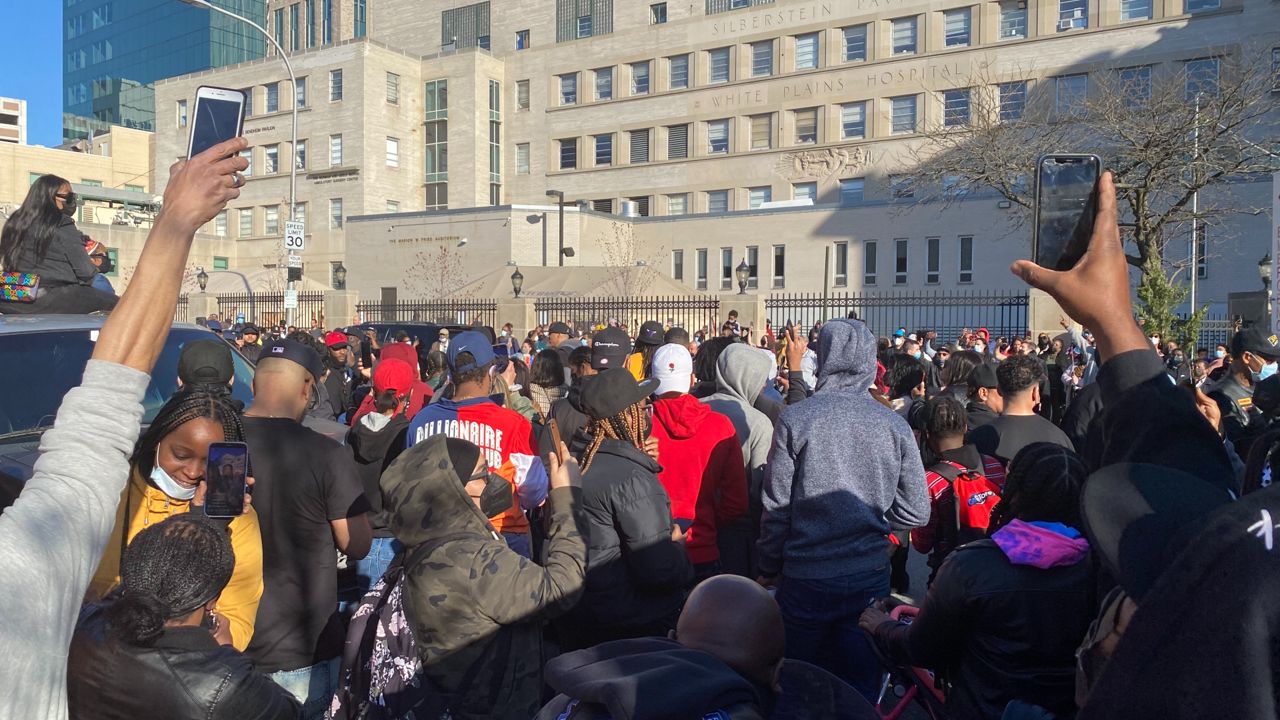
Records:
x=435, y=273
x=630, y=265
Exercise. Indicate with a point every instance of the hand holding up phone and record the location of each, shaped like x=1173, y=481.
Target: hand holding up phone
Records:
x=562, y=469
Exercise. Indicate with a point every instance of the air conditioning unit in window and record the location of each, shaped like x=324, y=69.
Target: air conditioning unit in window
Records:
x=1009, y=32
x=1077, y=14
x=1064, y=25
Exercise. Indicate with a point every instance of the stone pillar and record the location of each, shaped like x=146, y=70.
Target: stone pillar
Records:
x=751, y=311
x=520, y=313
x=340, y=308
x=201, y=305
x=1044, y=314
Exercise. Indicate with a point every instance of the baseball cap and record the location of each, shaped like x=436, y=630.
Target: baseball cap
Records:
x=337, y=338
x=294, y=351
x=673, y=369
x=984, y=333
x=610, y=348
x=471, y=342
x=1258, y=341
x=394, y=375
x=650, y=333
x=250, y=329
x=612, y=391
x=559, y=328
x=984, y=376
x=899, y=333
x=205, y=362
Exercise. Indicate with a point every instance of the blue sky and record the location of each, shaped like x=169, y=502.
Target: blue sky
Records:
x=31, y=56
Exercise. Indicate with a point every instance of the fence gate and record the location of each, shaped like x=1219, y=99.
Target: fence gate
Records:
x=691, y=312
x=947, y=313
x=440, y=312
x=266, y=309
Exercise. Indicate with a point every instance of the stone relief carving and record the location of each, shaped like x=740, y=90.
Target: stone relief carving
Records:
x=821, y=164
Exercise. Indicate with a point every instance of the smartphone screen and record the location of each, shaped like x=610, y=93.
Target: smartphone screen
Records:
x=1066, y=200
x=225, y=479
x=218, y=117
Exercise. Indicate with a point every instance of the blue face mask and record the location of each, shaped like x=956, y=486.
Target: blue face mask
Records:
x=917, y=354
x=169, y=486
x=1267, y=371
x=1219, y=354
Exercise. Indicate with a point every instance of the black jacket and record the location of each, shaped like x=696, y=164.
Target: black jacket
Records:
x=571, y=421
x=635, y=573
x=184, y=674
x=339, y=385
x=998, y=631
x=374, y=452
x=64, y=263
x=980, y=414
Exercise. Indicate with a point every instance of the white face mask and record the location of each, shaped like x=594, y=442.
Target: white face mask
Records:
x=169, y=486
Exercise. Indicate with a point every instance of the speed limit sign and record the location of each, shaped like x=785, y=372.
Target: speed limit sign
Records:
x=293, y=235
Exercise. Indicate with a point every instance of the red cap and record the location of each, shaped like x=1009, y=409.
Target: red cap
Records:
x=393, y=375
x=984, y=332
x=335, y=338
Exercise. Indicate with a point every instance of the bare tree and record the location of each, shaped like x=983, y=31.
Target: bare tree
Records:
x=435, y=273
x=630, y=265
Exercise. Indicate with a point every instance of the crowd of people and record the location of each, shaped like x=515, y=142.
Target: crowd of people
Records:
x=607, y=522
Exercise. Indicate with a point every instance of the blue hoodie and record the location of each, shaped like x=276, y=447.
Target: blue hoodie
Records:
x=843, y=471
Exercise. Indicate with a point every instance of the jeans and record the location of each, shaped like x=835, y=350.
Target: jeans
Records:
x=313, y=686
x=63, y=300
x=821, y=618
x=519, y=542
x=367, y=573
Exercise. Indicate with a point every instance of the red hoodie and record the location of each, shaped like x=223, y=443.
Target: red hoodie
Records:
x=702, y=470
x=421, y=391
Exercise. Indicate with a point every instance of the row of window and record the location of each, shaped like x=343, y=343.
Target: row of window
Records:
x=81, y=23
x=273, y=216
x=270, y=95
x=271, y=161
x=311, y=23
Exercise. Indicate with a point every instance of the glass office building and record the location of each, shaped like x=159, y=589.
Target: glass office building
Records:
x=113, y=50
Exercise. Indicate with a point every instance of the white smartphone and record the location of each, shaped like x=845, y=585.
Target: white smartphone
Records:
x=218, y=117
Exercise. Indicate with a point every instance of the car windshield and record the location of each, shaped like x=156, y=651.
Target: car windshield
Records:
x=43, y=366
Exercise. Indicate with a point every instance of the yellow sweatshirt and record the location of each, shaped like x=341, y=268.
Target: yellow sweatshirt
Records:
x=148, y=506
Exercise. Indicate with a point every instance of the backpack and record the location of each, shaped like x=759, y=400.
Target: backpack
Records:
x=381, y=675
x=973, y=497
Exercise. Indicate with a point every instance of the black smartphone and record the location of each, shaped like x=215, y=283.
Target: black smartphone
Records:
x=218, y=116
x=226, y=479
x=366, y=353
x=1066, y=201
x=684, y=524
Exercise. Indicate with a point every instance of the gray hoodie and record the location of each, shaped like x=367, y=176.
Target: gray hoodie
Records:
x=843, y=470
x=741, y=374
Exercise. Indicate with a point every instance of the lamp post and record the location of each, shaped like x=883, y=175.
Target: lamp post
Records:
x=202, y=279
x=517, y=281
x=742, y=271
x=1264, y=269
x=340, y=277
x=559, y=196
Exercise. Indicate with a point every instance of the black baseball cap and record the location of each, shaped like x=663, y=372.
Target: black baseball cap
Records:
x=250, y=329
x=206, y=362
x=984, y=376
x=1258, y=341
x=560, y=329
x=650, y=333
x=612, y=391
x=610, y=348
x=304, y=355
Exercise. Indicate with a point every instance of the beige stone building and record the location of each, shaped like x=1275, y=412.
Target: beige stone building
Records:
x=13, y=121
x=425, y=123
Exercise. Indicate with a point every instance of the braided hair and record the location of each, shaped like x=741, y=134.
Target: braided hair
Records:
x=1044, y=483
x=169, y=571
x=945, y=417
x=627, y=426
x=192, y=402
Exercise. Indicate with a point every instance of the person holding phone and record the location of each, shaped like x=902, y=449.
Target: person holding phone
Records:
x=167, y=478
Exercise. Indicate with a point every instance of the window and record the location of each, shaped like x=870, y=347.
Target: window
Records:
x=1202, y=262
x=677, y=265
x=311, y=23
x=642, y=205
x=840, y=264
x=295, y=34
x=1275, y=69
x=1073, y=14
x=1012, y=99
x=246, y=223
x=677, y=142
x=1135, y=85
x=568, y=153
x=779, y=265
x=247, y=154
x=604, y=83
x=335, y=151
x=584, y=26
x=522, y=39
x=726, y=268
x=758, y=196
x=273, y=220
x=1135, y=10
x=640, y=78
x=302, y=214
x=953, y=186
x=1013, y=19
x=272, y=155
x=932, y=273
x=966, y=258
x=1195, y=6
x=851, y=191
x=335, y=85
x=717, y=137
x=522, y=158
x=717, y=201
x=300, y=92
x=219, y=263
x=522, y=94
x=904, y=36
x=807, y=51
x=248, y=101
x=327, y=21
x=805, y=191
x=761, y=132
x=335, y=213
x=657, y=13
x=393, y=206
x=604, y=149
x=437, y=195
x=273, y=97
x=1202, y=78
x=300, y=155
x=278, y=29
x=678, y=204
x=955, y=108
x=900, y=261
x=853, y=120
x=902, y=114
x=956, y=26
x=718, y=65
x=182, y=113
x=393, y=152
x=753, y=268
x=220, y=224
x=1070, y=92
x=569, y=89
x=855, y=43
x=900, y=187
x=639, y=146
x=393, y=88
x=762, y=58
x=806, y=125
x=678, y=72
x=701, y=259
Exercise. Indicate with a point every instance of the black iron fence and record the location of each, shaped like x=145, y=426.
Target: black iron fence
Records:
x=946, y=312
x=269, y=309
x=441, y=312
x=182, y=313
x=692, y=312
x=1214, y=329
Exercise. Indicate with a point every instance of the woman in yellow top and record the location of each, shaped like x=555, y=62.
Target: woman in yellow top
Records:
x=166, y=469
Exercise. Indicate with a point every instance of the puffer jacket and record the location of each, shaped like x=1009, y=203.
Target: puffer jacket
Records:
x=477, y=607
x=184, y=675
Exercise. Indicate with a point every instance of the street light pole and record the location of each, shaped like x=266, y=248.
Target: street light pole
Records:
x=559, y=196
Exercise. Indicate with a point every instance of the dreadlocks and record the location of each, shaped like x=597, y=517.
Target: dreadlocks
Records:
x=1044, y=483
x=627, y=426
x=192, y=402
